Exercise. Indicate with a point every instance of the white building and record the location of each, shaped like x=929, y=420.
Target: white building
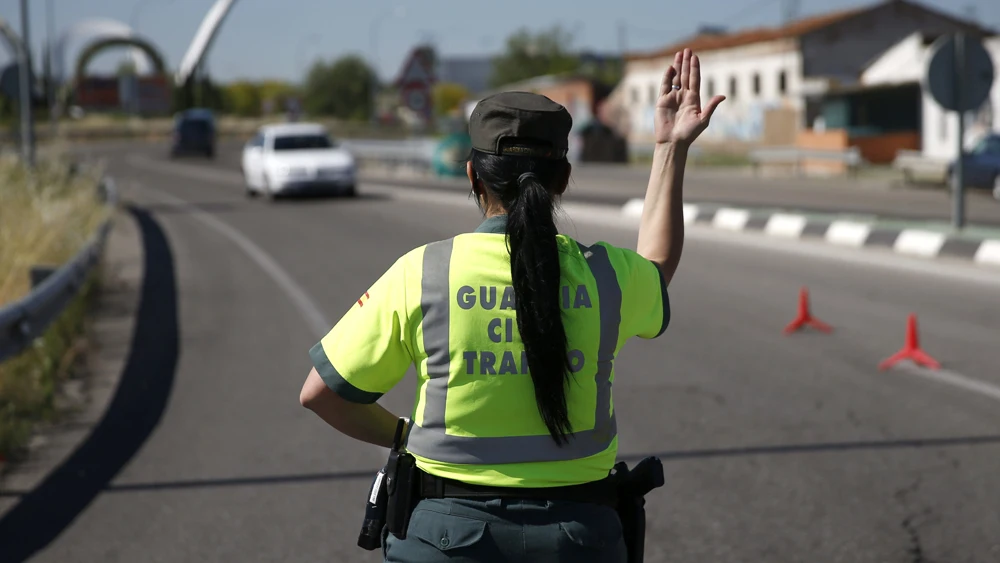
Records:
x=906, y=63
x=776, y=79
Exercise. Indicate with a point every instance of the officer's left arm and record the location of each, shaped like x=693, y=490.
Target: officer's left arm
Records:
x=360, y=359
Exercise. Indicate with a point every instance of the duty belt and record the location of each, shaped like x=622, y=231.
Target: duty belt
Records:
x=596, y=492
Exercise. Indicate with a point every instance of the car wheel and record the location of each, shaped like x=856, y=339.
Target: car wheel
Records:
x=271, y=195
x=351, y=191
x=247, y=190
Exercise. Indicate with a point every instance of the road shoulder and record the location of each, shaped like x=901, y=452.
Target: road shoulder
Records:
x=85, y=400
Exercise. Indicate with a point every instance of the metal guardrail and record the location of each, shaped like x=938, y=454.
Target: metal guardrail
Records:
x=414, y=153
x=912, y=163
x=21, y=322
x=851, y=157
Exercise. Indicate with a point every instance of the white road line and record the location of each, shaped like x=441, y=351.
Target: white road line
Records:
x=785, y=225
x=731, y=219
x=952, y=378
x=690, y=213
x=919, y=243
x=633, y=208
x=847, y=233
x=307, y=307
x=603, y=215
x=988, y=253
x=986, y=278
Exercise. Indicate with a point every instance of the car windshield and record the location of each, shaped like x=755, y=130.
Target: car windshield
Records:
x=990, y=145
x=302, y=142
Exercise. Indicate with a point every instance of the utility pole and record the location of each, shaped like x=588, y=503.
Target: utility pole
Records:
x=50, y=85
x=27, y=123
x=621, y=38
x=790, y=11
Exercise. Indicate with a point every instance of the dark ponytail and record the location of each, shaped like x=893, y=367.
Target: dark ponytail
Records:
x=520, y=185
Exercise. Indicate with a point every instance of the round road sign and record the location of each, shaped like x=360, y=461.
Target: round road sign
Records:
x=416, y=100
x=942, y=76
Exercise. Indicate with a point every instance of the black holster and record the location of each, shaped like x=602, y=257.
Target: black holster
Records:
x=392, y=497
x=633, y=485
x=402, y=485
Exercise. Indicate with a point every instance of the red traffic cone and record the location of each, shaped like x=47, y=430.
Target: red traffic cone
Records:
x=805, y=317
x=911, y=350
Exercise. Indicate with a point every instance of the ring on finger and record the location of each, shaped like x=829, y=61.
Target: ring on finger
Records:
x=675, y=86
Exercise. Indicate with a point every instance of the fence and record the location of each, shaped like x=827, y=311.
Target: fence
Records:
x=21, y=322
x=417, y=154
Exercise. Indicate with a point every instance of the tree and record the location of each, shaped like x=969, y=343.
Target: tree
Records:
x=340, y=89
x=529, y=55
x=242, y=98
x=126, y=68
x=448, y=97
x=198, y=92
x=277, y=92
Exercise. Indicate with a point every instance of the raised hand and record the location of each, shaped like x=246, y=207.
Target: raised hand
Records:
x=679, y=117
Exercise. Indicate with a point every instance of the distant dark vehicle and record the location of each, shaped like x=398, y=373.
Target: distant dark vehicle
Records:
x=194, y=133
x=981, y=165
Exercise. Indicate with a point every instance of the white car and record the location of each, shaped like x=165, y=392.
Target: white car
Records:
x=296, y=158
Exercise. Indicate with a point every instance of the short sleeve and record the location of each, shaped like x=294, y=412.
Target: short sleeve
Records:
x=366, y=353
x=645, y=303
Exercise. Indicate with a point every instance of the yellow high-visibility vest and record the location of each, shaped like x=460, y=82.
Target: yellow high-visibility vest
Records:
x=447, y=308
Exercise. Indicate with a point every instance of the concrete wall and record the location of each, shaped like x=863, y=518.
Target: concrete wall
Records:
x=741, y=116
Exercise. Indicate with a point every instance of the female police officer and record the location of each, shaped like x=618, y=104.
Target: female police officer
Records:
x=513, y=330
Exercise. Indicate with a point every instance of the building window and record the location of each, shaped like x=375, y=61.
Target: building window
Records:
x=782, y=82
x=711, y=88
x=756, y=84
x=732, y=87
x=652, y=94
x=635, y=95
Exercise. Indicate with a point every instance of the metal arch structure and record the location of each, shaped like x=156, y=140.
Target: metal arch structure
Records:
x=86, y=31
x=203, y=38
x=11, y=39
x=96, y=46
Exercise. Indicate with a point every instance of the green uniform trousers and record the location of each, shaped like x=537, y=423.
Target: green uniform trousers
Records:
x=503, y=530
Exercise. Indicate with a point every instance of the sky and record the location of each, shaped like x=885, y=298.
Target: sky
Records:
x=279, y=39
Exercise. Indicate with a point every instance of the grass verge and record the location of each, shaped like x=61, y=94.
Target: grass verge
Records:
x=46, y=217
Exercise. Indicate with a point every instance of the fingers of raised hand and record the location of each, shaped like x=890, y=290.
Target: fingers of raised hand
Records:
x=668, y=80
x=710, y=107
x=686, y=69
x=695, y=74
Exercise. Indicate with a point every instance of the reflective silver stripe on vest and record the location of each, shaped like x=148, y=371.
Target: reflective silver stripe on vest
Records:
x=435, y=304
x=429, y=440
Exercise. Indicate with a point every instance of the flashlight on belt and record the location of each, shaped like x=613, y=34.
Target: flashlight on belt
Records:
x=370, y=538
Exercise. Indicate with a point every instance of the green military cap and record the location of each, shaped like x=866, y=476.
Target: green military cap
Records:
x=500, y=121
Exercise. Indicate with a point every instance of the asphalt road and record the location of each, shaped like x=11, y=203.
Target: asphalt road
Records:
x=776, y=448
x=613, y=184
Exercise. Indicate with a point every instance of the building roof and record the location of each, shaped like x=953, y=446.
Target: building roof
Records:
x=712, y=41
